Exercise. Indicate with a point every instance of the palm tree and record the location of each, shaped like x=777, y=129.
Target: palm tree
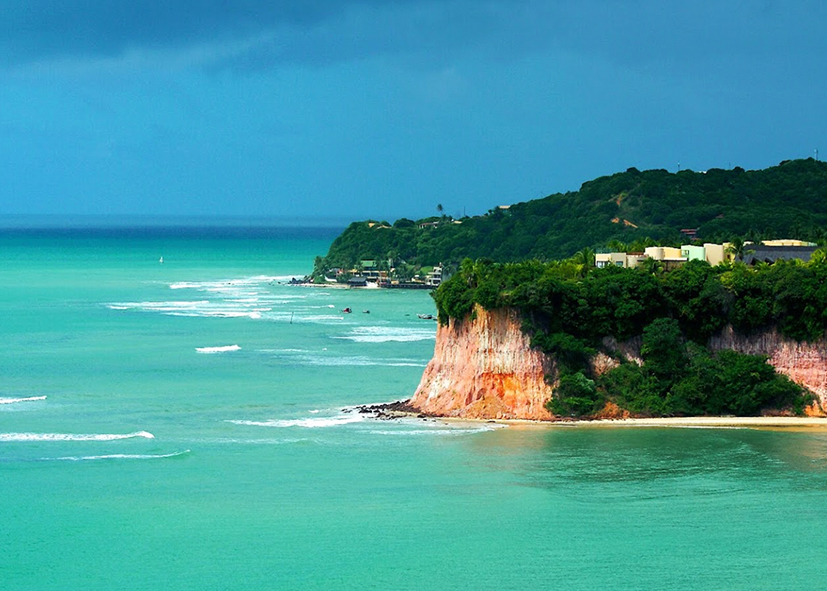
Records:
x=737, y=248
x=616, y=246
x=585, y=256
x=651, y=266
x=819, y=257
x=584, y=259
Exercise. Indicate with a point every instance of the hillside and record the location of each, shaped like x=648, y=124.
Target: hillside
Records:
x=788, y=200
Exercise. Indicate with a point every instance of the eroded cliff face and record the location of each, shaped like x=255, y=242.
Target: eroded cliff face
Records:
x=804, y=363
x=485, y=368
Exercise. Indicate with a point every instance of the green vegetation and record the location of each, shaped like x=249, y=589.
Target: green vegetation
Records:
x=628, y=210
x=573, y=312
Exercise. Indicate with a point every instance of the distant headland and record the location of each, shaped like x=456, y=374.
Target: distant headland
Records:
x=569, y=307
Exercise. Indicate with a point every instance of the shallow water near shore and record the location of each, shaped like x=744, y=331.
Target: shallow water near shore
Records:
x=187, y=425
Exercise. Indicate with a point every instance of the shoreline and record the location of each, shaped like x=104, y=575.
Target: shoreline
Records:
x=401, y=409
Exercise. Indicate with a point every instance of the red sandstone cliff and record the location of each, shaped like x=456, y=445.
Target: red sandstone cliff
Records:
x=485, y=368
x=804, y=363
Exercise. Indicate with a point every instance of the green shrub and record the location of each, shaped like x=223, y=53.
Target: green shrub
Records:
x=576, y=396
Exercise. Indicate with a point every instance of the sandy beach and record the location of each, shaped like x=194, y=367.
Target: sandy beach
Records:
x=401, y=409
x=809, y=423
x=712, y=422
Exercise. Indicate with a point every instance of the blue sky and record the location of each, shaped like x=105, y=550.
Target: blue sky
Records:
x=385, y=109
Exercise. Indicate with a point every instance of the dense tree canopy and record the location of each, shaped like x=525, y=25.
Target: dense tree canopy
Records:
x=631, y=208
x=569, y=313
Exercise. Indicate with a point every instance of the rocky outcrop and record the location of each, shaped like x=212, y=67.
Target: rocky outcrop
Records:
x=484, y=367
x=804, y=363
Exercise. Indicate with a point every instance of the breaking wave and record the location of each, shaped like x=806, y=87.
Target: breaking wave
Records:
x=304, y=357
x=120, y=457
x=311, y=423
x=222, y=349
x=7, y=437
x=385, y=334
x=16, y=400
x=250, y=297
x=194, y=308
x=230, y=285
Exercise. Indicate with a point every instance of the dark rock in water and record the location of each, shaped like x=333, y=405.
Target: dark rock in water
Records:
x=389, y=410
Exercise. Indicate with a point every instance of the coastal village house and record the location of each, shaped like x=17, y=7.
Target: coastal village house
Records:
x=714, y=254
x=435, y=276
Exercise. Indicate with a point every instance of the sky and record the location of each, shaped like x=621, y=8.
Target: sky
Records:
x=386, y=109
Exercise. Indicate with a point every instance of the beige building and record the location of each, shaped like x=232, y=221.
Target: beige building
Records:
x=608, y=259
x=670, y=256
x=712, y=253
x=715, y=254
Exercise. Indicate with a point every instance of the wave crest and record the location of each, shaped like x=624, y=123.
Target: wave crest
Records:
x=386, y=334
x=8, y=437
x=311, y=423
x=119, y=457
x=221, y=349
x=16, y=400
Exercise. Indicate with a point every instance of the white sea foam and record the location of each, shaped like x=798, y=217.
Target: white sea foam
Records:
x=357, y=362
x=384, y=334
x=248, y=297
x=171, y=306
x=195, y=309
x=311, y=423
x=228, y=285
x=120, y=457
x=7, y=437
x=15, y=400
x=221, y=349
x=305, y=357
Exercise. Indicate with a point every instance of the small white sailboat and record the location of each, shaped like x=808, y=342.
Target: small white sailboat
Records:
x=161, y=260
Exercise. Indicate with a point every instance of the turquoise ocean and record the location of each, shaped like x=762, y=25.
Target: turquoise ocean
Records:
x=185, y=425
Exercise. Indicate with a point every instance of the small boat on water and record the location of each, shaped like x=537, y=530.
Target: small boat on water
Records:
x=426, y=316
x=365, y=311
x=347, y=311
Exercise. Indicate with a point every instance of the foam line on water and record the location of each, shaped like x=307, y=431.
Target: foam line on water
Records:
x=297, y=356
x=258, y=441
x=16, y=400
x=238, y=282
x=119, y=457
x=311, y=423
x=385, y=334
x=7, y=437
x=220, y=349
x=249, y=297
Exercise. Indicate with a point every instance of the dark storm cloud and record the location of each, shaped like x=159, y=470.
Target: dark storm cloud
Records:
x=35, y=30
x=254, y=34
